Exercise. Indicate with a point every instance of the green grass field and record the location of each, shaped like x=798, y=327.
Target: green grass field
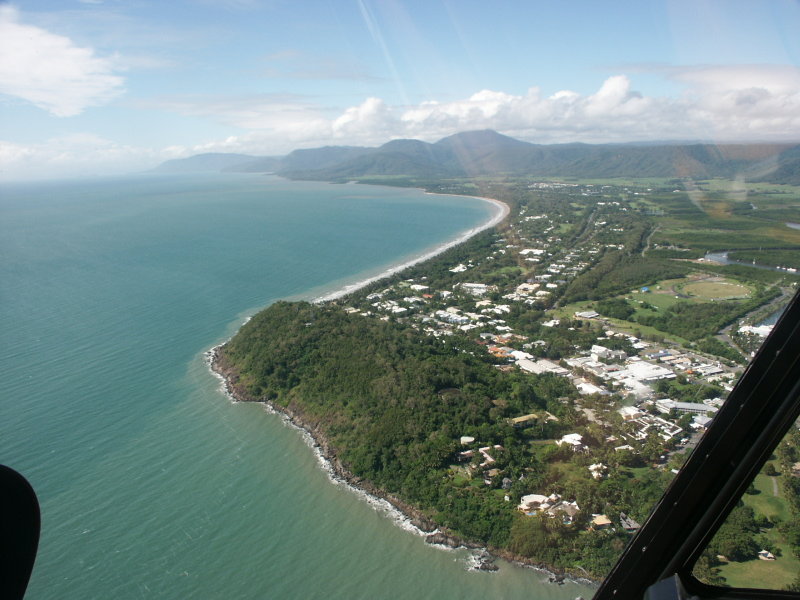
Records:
x=765, y=502
x=775, y=574
x=716, y=290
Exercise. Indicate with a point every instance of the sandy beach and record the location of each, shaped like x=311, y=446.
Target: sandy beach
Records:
x=501, y=212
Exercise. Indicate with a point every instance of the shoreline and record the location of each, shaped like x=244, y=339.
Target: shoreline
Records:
x=503, y=210
x=404, y=515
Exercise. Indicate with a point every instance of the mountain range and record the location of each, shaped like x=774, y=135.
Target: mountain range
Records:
x=488, y=153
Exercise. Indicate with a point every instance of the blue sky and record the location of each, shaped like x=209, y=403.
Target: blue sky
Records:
x=111, y=86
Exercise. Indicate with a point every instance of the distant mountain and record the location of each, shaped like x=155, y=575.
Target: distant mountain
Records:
x=264, y=164
x=487, y=153
x=320, y=158
x=204, y=162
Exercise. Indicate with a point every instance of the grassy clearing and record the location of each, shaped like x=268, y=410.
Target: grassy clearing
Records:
x=774, y=574
x=660, y=296
x=765, y=502
x=567, y=473
x=716, y=290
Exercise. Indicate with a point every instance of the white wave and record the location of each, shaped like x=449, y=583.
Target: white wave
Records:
x=224, y=387
x=379, y=504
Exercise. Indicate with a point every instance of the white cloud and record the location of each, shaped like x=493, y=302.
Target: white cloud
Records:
x=50, y=71
x=718, y=103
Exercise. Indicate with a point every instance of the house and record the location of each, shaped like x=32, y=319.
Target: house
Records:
x=566, y=510
x=466, y=455
x=766, y=555
x=477, y=289
x=519, y=421
x=488, y=475
x=628, y=524
x=532, y=503
x=664, y=428
x=525, y=289
x=574, y=440
x=600, y=522
x=487, y=459
x=597, y=470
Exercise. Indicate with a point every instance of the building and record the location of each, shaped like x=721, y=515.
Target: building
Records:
x=574, y=440
x=627, y=523
x=601, y=352
x=519, y=421
x=600, y=522
x=644, y=371
x=630, y=412
x=666, y=406
x=587, y=314
x=597, y=470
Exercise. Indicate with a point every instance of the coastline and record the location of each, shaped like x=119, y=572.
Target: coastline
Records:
x=404, y=515
x=503, y=210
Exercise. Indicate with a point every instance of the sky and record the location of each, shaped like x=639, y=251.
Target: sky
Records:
x=92, y=87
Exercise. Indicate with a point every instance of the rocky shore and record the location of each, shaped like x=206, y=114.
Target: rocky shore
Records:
x=433, y=534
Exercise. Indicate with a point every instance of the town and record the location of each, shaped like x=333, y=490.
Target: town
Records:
x=645, y=398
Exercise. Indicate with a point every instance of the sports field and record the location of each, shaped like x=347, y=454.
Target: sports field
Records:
x=716, y=290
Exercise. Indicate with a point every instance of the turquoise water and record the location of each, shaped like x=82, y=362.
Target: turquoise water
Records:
x=152, y=485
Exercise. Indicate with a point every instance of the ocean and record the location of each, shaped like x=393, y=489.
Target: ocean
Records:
x=151, y=483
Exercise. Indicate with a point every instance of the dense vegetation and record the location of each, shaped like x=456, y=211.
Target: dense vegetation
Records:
x=772, y=258
x=394, y=404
